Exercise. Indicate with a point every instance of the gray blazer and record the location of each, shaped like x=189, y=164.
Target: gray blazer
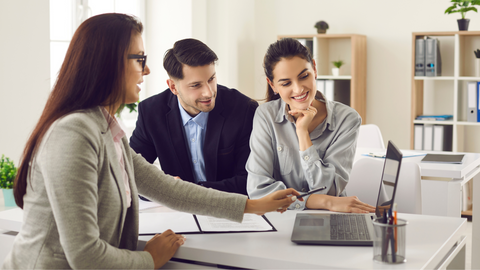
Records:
x=75, y=213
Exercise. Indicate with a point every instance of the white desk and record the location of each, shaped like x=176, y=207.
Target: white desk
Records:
x=432, y=242
x=442, y=190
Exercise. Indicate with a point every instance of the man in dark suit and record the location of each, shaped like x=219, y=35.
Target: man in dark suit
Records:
x=199, y=130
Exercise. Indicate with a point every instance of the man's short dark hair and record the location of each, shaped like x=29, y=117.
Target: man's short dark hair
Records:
x=189, y=52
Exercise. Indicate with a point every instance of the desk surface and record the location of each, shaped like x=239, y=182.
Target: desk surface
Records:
x=471, y=162
x=429, y=239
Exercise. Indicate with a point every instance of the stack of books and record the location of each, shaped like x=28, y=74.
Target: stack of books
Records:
x=438, y=117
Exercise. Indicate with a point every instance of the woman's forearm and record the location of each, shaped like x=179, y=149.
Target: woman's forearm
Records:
x=304, y=141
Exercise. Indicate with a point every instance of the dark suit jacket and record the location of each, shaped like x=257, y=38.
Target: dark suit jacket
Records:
x=159, y=133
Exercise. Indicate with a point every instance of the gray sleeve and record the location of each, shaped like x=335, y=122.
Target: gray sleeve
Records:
x=185, y=196
x=260, y=163
x=334, y=169
x=71, y=183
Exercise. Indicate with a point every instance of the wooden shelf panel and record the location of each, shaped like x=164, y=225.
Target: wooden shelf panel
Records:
x=330, y=77
x=438, y=78
x=431, y=122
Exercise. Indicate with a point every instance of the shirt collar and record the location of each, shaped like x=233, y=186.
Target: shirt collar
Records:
x=283, y=114
x=200, y=119
x=115, y=128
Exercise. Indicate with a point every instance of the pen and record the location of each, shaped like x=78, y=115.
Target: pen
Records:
x=311, y=192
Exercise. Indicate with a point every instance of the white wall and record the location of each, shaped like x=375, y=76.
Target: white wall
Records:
x=388, y=26
x=24, y=71
x=239, y=31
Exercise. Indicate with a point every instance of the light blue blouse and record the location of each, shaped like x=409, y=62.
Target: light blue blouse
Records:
x=276, y=163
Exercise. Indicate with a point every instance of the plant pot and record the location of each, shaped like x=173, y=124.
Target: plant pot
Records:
x=335, y=71
x=463, y=24
x=321, y=31
x=8, y=198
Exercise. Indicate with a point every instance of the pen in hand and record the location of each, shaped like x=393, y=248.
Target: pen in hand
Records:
x=311, y=192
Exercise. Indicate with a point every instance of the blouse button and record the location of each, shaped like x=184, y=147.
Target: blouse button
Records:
x=297, y=206
x=306, y=158
x=279, y=148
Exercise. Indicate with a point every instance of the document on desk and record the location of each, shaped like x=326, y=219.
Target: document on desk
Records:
x=406, y=154
x=184, y=223
x=250, y=223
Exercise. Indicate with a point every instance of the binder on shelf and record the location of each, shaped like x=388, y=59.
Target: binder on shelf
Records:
x=337, y=90
x=428, y=137
x=307, y=42
x=418, y=137
x=321, y=86
x=433, y=61
x=478, y=100
x=472, y=102
x=442, y=137
x=420, y=57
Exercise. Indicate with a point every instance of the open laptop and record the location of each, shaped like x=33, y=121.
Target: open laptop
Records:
x=350, y=229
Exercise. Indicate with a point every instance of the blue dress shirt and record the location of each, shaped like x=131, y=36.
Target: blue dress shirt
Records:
x=195, y=129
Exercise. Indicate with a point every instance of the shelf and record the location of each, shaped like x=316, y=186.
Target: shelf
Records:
x=464, y=123
x=433, y=122
x=467, y=213
x=438, y=78
x=331, y=77
x=469, y=78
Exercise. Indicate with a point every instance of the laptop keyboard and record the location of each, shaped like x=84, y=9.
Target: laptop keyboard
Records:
x=348, y=227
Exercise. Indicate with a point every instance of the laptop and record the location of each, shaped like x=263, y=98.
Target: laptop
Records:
x=344, y=229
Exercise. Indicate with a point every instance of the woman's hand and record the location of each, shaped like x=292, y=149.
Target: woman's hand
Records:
x=338, y=204
x=277, y=201
x=303, y=117
x=163, y=246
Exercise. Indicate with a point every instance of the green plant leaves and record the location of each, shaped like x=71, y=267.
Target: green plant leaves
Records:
x=462, y=6
x=8, y=172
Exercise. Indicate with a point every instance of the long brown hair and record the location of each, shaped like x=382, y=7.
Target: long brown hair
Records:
x=92, y=74
x=284, y=48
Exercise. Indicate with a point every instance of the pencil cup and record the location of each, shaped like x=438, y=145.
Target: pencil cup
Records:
x=389, y=241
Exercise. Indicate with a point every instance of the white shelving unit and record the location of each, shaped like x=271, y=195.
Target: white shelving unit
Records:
x=446, y=94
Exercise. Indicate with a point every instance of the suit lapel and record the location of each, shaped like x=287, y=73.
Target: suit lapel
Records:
x=175, y=128
x=212, y=139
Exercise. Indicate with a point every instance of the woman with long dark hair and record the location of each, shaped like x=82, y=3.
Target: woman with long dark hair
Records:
x=78, y=180
x=300, y=139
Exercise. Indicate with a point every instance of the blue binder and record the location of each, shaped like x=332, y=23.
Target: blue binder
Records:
x=478, y=101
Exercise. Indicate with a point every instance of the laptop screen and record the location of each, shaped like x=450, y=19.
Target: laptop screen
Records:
x=388, y=185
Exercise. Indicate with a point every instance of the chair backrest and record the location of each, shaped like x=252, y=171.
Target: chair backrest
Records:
x=364, y=182
x=370, y=137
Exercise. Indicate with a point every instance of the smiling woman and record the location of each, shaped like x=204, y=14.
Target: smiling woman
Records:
x=300, y=139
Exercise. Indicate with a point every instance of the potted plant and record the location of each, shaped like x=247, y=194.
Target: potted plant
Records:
x=8, y=172
x=462, y=6
x=322, y=27
x=336, y=69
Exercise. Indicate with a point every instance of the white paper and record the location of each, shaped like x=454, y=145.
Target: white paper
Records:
x=251, y=222
x=152, y=223
x=406, y=154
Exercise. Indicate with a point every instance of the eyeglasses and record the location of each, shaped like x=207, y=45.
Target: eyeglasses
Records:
x=141, y=58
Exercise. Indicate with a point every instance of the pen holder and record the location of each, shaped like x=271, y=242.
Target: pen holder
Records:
x=389, y=241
